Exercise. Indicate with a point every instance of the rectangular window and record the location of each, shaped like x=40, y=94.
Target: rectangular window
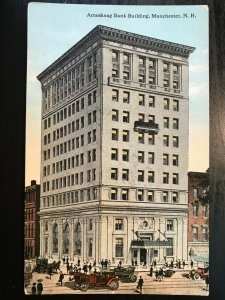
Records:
x=115, y=73
x=141, y=117
x=126, y=75
x=151, y=63
x=166, y=178
x=89, y=99
x=125, y=155
x=195, y=233
x=140, y=195
x=115, y=56
x=165, y=82
x=89, y=118
x=166, y=67
x=119, y=247
x=175, y=141
x=141, y=138
x=175, y=160
x=166, y=103
x=195, y=210
x=166, y=140
x=151, y=101
x=150, y=196
x=175, y=197
x=141, y=156
x=141, y=175
x=125, y=136
x=114, y=174
x=114, y=154
x=175, y=85
x=151, y=157
x=125, y=174
x=169, y=225
x=151, y=139
x=204, y=211
x=141, y=61
x=124, y=193
x=175, y=69
x=166, y=122
x=141, y=100
x=126, y=97
x=165, y=159
x=204, y=234
x=151, y=118
x=125, y=58
x=119, y=224
x=113, y=194
x=151, y=176
x=175, y=105
x=175, y=178
x=175, y=123
x=115, y=115
x=165, y=196
x=195, y=193
x=126, y=116
x=141, y=78
x=169, y=251
x=115, y=134
x=115, y=95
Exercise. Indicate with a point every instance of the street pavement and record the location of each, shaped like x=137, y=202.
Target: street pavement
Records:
x=175, y=285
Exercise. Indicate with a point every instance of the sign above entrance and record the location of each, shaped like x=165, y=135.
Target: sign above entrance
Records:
x=151, y=244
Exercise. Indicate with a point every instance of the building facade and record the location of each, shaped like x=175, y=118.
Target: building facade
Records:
x=198, y=225
x=115, y=149
x=32, y=223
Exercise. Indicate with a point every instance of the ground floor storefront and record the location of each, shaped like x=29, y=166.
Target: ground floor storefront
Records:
x=141, y=236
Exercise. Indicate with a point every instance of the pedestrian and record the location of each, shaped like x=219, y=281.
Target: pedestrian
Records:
x=102, y=263
x=106, y=263
x=135, y=262
x=151, y=271
x=67, y=268
x=207, y=283
x=140, y=284
x=109, y=263
x=85, y=268
x=160, y=274
x=61, y=277
x=67, y=260
x=120, y=263
x=39, y=287
x=34, y=289
x=78, y=262
x=89, y=267
x=63, y=259
x=154, y=263
x=50, y=272
x=183, y=264
x=179, y=264
x=94, y=263
x=192, y=264
x=132, y=262
x=171, y=264
x=156, y=274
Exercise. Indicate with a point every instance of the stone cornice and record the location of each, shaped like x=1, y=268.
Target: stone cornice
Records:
x=123, y=37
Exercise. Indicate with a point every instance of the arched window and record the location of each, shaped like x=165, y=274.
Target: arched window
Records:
x=77, y=239
x=55, y=238
x=65, y=237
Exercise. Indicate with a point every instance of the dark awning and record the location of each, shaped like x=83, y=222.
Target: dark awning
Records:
x=151, y=244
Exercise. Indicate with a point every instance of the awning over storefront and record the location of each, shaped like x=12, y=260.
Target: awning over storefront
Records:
x=145, y=244
x=200, y=258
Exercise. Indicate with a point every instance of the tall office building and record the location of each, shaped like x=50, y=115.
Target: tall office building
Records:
x=114, y=155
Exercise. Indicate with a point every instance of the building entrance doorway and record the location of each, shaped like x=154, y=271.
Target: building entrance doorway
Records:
x=143, y=256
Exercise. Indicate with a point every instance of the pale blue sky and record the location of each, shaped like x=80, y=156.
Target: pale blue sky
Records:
x=54, y=28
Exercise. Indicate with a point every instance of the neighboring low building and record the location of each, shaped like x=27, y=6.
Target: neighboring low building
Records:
x=198, y=221
x=31, y=228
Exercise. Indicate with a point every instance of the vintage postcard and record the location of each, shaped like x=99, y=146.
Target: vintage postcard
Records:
x=117, y=150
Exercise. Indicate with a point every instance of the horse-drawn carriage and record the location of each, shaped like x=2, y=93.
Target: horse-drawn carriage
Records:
x=42, y=266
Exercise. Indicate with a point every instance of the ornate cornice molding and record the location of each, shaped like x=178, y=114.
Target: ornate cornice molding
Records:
x=122, y=37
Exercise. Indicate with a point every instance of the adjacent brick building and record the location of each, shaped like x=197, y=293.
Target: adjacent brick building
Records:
x=31, y=229
x=198, y=221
